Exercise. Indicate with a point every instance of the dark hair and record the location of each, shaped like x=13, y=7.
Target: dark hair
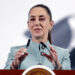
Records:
x=49, y=13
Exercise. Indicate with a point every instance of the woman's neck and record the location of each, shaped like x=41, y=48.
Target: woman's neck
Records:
x=38, y=40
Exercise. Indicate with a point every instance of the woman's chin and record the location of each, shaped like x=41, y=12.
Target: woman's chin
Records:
x=38, y=36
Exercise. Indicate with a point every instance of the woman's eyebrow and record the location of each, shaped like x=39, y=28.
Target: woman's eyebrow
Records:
x=41, y=16
x=32, y=16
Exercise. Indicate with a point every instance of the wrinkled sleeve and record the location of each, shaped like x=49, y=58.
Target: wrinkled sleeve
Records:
x=66, y=63
x=10, y=59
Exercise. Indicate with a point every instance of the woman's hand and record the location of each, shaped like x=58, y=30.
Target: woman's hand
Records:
x=19, y=57
x=52, y=57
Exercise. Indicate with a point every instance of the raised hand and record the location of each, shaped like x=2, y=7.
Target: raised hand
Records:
x=19, y=57
x=53, y=57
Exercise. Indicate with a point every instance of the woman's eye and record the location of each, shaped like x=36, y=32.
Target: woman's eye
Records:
x=32, y=19
x=42, y=19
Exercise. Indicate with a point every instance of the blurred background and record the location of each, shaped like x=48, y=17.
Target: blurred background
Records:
x=14, y=30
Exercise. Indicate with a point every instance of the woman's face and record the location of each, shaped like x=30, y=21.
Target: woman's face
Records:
x=39, y=22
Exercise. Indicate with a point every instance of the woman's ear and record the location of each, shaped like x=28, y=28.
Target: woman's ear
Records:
x=51, y=24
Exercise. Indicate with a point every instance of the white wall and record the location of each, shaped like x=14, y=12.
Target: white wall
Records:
x=13, y=21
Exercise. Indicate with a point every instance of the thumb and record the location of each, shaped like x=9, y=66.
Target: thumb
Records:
x=44, y=54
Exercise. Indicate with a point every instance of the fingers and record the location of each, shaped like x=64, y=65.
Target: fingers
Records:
x=52, y=49
x=16, y=61
x=22, y=52
x=53, y=53
x=47, y=56
x=52, y=56
x=20, y=55
x=44, y=54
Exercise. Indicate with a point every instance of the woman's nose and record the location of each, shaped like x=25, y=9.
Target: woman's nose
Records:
x=37, y=22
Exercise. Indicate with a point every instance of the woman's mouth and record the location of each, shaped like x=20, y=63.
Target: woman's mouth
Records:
x=37, y=29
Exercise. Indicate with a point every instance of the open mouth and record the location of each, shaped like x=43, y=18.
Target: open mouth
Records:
x=37, y=29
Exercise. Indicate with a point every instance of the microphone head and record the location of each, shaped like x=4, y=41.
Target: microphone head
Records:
x=28, y=43
x=43, y=44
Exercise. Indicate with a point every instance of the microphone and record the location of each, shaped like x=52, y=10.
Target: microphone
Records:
x=27, y=45
x=43, y=44
x=56, y=66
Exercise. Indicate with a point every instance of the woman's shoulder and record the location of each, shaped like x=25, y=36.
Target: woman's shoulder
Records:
x=59, y=49
x=16, y=48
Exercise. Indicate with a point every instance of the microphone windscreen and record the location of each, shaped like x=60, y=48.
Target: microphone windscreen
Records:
x=28, y=43
x=43, y=44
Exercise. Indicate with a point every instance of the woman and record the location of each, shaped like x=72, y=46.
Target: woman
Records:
x=39, y=51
